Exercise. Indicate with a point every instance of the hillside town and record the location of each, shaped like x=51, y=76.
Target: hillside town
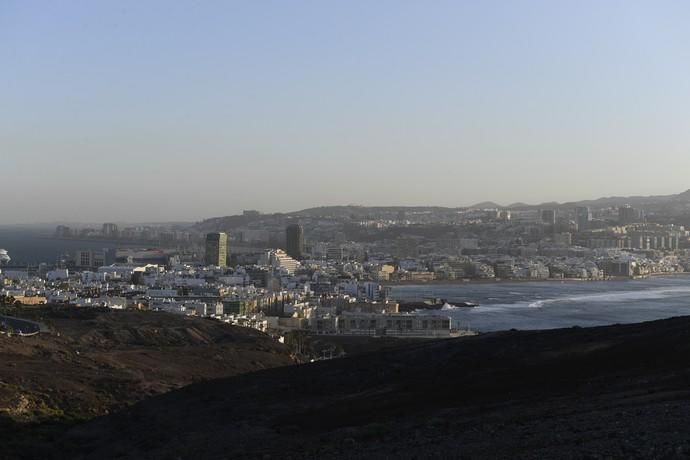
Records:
x=330, y=270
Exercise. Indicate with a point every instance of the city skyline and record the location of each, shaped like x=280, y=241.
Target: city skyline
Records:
x=344, y=229
x=619, y=200
x=172, y=111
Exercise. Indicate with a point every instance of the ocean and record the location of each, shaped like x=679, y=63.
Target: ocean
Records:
x=550, y=304
x=32, y=246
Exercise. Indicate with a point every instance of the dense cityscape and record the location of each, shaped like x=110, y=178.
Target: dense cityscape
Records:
x=344, y=230
x=330, y=270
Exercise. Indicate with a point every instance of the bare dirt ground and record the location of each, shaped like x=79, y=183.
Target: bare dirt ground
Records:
x=599, y=393
x=102, y=361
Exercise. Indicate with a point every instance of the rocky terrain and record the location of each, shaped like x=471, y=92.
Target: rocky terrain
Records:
x=606, y=392
x=96, y=362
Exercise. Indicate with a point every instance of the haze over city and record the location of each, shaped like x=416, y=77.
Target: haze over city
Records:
x=155, y=111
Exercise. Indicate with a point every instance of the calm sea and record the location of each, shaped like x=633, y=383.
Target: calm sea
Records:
x=35, y=246
x=546, y=305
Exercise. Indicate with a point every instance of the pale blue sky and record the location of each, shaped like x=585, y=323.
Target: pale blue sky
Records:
x=160, y=110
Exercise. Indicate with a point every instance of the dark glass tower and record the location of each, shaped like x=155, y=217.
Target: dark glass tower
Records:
x=294, y=239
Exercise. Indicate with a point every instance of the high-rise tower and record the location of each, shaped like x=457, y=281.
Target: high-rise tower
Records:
x=583, y=217
x=217, y=249
x=294, y=238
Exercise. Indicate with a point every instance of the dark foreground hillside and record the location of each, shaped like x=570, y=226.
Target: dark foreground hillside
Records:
x=96, y=362
x=608, y=392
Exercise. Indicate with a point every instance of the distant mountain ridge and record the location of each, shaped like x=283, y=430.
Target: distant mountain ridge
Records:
x=611, y=201
x=486, y=205
x=365, y=211
x=634, y=200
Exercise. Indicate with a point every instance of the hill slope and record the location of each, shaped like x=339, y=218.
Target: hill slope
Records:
x=229, y=222
x=102, y=361
x=607, y=392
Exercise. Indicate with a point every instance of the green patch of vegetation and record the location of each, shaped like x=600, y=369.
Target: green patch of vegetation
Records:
x=43, y=411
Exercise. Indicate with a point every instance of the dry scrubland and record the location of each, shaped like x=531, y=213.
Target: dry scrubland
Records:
x=608, y=392
x=97, y=362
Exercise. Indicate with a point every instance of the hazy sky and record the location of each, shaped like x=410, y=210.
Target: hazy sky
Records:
x=160, y=110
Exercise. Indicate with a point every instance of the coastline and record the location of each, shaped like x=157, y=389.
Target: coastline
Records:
x=515, y=281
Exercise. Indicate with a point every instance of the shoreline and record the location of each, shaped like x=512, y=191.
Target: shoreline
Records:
x=518, y=281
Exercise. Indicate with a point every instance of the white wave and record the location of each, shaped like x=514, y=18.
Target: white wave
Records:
x=486, y=308
x=599, y=299
x=605, y=297
x=627, y=295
